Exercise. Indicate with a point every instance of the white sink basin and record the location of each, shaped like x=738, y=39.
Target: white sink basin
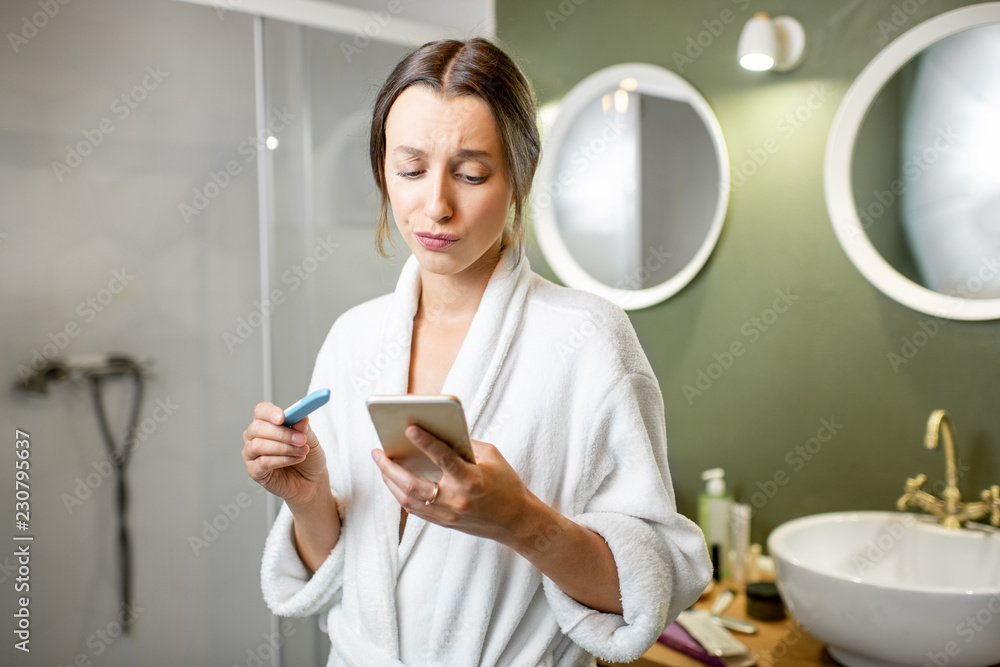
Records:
x=892, y=589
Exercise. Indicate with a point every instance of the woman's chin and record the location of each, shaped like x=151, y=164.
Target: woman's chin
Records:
x=436, y=261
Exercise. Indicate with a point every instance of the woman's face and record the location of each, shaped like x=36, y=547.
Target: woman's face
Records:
x=445, y=176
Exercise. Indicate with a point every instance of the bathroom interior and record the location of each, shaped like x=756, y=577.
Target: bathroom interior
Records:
x=187, y=207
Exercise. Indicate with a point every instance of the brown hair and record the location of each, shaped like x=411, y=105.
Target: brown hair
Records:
x=478, y=68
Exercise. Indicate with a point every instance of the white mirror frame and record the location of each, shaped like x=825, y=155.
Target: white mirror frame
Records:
x=651, y=80
x=840, y=152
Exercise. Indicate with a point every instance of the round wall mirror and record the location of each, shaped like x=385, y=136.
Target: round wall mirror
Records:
x=633, y=185
x=911, y=176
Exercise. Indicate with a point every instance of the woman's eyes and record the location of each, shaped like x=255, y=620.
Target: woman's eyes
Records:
x=474, y=180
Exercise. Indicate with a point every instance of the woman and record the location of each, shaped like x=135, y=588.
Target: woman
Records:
x=562, y=541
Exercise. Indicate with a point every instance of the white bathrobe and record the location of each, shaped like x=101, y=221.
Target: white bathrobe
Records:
x=557, y=380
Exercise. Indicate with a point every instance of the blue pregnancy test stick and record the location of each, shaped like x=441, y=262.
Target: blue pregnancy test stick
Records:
x=304, y=406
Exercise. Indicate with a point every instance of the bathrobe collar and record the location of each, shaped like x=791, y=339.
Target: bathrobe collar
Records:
x=475, y=370
x=471, y=378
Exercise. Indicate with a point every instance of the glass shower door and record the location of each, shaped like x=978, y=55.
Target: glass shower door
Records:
x=321, y=71
x=322, y=206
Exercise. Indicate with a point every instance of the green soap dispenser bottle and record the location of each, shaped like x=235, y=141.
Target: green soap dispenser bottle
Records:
x=713, y=517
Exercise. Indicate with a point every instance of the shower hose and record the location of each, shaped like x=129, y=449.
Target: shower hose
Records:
x=119, y=459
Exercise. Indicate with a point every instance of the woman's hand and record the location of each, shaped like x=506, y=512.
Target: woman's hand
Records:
x=286, y=460
x=486, y=499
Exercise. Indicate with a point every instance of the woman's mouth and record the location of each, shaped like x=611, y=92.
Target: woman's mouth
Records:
x=436, y=241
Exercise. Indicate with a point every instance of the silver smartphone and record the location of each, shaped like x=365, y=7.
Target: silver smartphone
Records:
x=441, y=415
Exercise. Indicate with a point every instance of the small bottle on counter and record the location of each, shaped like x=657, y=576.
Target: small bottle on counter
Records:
x=740, y=540
x=713, y=517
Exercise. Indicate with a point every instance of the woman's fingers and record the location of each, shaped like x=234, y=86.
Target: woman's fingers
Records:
x=410, y=491
x=268, y=419
x=486, y=499
x=263, y=465
x=437, y=450
x=260, y=448
x=261, y=441
x=269, y=412
x=413, y=492
x=396, y=492
x=266, y=438
x=267, y=424
x=288, y=461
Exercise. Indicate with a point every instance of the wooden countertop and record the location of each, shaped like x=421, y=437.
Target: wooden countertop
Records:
x=777, y=643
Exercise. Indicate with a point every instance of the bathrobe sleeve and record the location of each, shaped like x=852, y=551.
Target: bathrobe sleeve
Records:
x=627, y=498
x=288, y=587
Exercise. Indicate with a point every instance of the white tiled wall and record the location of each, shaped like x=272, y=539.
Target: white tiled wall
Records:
x=185, y=284
x=188, y=278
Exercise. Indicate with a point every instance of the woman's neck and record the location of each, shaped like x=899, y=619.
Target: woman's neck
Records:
x=453, y=300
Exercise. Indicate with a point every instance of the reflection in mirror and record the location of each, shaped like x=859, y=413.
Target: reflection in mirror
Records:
x=910, y=173
x=649, y=202
x=633, y=184
x=603, y=233
x=924, y=172
x=952, y=217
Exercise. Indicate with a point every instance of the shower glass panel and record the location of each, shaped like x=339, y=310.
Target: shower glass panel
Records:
x=324, y=204
x=122, y=232
x=322, y=210
x=128, y=193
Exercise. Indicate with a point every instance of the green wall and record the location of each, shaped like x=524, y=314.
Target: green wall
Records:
x=827, y=356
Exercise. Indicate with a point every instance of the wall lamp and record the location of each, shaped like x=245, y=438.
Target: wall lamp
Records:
x=768, y=43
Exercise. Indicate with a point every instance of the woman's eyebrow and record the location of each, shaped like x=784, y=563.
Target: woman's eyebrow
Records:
x=465, y=154
x=477, y=155
x=409, y=150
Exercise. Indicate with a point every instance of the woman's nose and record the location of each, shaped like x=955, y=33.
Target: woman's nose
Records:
x=437, y=205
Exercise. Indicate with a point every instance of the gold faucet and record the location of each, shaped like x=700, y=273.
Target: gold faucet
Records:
x=949, y=509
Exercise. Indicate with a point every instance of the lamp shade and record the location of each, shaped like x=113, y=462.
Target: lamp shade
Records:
x=767, y=43
x=758, y=46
